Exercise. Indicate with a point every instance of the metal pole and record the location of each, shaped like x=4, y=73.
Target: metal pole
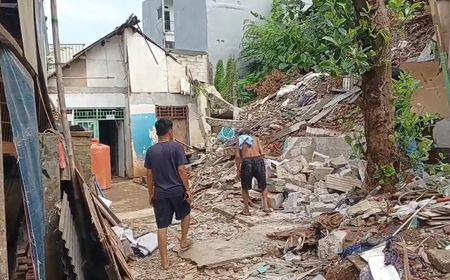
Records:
x=60, y=88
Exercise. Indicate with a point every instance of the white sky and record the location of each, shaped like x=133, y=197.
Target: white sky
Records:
x=85, y=21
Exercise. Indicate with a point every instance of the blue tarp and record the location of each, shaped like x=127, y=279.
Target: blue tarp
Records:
x=19, y=92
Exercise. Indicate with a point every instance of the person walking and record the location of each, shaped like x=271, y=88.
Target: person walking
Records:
x=249, y=158
x=168, y=187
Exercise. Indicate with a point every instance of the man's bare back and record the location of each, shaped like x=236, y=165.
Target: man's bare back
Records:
x=252, y=151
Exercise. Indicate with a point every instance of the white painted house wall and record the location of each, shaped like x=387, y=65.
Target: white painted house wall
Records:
x=147, y=74
x=98, y=79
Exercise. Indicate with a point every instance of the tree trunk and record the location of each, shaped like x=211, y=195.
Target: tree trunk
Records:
x=377, y=98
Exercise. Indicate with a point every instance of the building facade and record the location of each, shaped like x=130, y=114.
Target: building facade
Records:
x=214, y=26
x=118, y=87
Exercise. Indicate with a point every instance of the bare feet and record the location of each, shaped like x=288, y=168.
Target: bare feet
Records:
x=245, y=213
x=268, y=210
x=165, y=264
x=186, y=244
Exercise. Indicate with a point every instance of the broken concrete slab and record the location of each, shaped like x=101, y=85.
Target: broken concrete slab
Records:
x=331, y=245
x=317, y=206
x=440, y=259
x=319, y=174
x=342, y=184
x=365, y=205
x=213, y=253
x=296, y=201
x=275, y=200
x=283, y=173
x=338, y=162
x=290, y=188
x=275, y=188
x=255, y=195
x=306, y=146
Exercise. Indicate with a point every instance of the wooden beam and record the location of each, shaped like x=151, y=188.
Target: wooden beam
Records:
x=3, y=243
x=8, y=40
x=9, y=148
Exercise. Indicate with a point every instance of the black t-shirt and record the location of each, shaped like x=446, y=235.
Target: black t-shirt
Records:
x=164, y=159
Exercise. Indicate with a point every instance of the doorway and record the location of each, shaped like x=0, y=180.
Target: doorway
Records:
x=107, y=125
x=179, y=116
x=109, y=135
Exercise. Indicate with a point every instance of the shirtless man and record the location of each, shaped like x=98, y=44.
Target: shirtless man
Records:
x=250, y=164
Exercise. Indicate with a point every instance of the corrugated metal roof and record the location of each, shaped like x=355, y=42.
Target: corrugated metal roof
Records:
x=70, y=237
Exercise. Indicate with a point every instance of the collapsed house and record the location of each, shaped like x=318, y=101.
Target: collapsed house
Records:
x=118, y=86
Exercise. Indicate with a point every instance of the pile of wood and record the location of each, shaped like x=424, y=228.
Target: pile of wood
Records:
x=103, y=220
x=437, y=214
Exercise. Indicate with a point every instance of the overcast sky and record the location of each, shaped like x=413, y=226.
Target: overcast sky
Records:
x=85, y=21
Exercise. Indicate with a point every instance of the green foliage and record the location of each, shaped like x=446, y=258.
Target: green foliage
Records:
x=356, y=144
x=442, y=169
x=219, y=76
x=404, y=9
x=330, y=38
x=411, y=128
x=230, y=82
x=386, y=175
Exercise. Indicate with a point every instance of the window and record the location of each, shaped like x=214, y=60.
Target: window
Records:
x=167, y=20
x=159, y=12
x=172, y=112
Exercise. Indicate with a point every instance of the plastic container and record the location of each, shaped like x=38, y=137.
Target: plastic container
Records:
x=101, y=163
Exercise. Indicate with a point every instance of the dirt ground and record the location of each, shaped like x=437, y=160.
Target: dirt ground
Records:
x=130, y=204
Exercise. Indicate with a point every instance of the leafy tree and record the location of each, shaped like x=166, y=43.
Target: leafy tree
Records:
x=340, y=37
x=230, y=82
x=219, y=76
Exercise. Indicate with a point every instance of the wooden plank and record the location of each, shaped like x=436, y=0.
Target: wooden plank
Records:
x=9, y=149
x=105, y=211
x=3, y=243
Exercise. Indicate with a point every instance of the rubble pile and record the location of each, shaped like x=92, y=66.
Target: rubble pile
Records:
x=296, y=103
x=413, y=39
x=335, y=229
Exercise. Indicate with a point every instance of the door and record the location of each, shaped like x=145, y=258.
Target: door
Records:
x=179, y=116
x=180, y=130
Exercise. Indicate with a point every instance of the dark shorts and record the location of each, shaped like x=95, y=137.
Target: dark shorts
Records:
x=166, y=207
x=253, y=168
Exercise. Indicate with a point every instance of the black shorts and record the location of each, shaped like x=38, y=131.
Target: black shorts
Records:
x=166, y=207
x=253, y=168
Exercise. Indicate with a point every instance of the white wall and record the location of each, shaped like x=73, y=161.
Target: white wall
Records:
x=92, y=100
x=146, y=73
x=104, y=64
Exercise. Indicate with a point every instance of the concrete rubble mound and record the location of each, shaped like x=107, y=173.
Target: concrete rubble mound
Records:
x=324, y=223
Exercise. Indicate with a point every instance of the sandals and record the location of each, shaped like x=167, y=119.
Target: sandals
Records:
x=248, y=214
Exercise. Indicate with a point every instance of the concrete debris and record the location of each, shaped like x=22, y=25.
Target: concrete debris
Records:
x=312, y=131
x=338, y=162
x=440, y=259
x=331, y=245
x=276, y=200
x=342, y=184
x=366, y=205
x=318, y=207
x=319, y=173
